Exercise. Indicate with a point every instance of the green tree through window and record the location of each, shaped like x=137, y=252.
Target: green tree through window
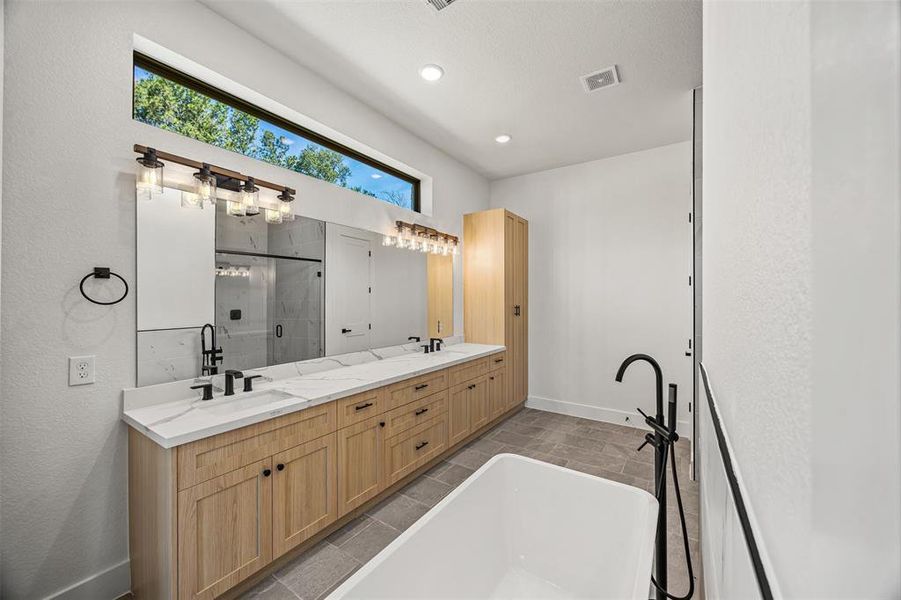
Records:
x=168, y=105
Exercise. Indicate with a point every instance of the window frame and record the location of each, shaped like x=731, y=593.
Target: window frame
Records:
x=161, y=69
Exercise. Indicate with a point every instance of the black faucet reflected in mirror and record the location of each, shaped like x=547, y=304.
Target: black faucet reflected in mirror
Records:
x=230, y=376
x=212, y=355
x=435, y=344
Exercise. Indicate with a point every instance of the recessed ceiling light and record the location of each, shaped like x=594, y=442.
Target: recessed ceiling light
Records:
x=431, y=72
x=503, y=138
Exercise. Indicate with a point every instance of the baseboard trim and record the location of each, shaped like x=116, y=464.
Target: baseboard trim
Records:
x=108, y=584
x=596, y=413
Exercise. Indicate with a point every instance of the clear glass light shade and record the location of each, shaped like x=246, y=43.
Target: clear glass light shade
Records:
x=205, y=188
x=389, y=240
x=250, y=198
x=273, y=216
x=286, y=209
x=150, y=180
x=235, y=208
x=191, y=200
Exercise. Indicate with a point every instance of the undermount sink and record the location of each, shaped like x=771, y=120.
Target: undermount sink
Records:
x=243, y=401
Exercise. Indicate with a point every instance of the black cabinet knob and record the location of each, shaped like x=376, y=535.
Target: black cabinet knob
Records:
x=267, y=472
x=280, y=467
x=381, y=423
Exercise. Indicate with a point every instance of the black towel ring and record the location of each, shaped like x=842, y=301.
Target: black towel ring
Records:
x=103, y=273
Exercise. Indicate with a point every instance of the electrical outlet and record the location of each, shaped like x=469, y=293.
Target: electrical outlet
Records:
x=81, y=370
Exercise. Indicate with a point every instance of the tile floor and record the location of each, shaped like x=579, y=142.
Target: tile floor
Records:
x=593, y=447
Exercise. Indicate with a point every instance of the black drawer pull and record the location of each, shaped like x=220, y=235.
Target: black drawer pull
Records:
x=421, y=386
x=497, y=360
x=280, y=467
x=381, y=423
x=362, y=406
x=421, y=411
x=472, y=386
x=421, y=445
x=491, y=378
x=267, y=472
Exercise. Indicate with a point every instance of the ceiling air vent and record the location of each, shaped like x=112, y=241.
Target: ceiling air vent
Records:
x=441, y=4
x=600, y=79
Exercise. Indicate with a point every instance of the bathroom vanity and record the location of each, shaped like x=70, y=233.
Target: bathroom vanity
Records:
x=221, y=490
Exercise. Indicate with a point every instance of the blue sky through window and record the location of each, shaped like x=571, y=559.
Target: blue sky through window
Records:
x=169, y=105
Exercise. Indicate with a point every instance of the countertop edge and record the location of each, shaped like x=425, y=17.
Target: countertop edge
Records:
x=199, y=434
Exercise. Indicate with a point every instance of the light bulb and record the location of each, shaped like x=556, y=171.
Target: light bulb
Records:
x=389, y=240
x=250, y=197
x=235, y=208
x=273, y=216
x=285, y=208
x=150, y=175
x=189, y=200
x=205, y=184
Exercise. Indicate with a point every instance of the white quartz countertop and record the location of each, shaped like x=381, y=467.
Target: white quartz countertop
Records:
x=177, y=422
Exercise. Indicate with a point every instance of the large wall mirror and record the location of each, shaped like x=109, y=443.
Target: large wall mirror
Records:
x=273, y=293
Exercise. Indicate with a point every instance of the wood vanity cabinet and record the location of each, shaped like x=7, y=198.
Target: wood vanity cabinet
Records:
x=304, y=492
x=207, y=515
x=360, y=456
x=498, y=399
x=496, y=291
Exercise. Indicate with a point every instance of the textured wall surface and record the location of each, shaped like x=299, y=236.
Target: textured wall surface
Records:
x=801, y=283
x=68, y=139
x=609, y=261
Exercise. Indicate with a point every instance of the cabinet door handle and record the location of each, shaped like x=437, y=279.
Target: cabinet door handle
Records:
x=280, y=467
x=381, y=423
x=421, y=411
x=267, y=472
x=491, y=378
x=517, y=310
x=472, y=386
x=421, y=386
x=498, y=360
x=346, y=330
x=362, y=406
x=421, y=445
x=278, y=331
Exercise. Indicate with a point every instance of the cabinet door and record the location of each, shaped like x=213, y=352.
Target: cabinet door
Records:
x=225, y=531
x=304, y=492
x=361, y=472
x=479, y=409
x=497, y=396
x=521, y=310
x=458, y=420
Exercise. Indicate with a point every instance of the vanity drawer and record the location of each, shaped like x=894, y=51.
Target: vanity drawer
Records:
x=405, y=392
x=497, y=361
x=406, y=452
x=403, y=418
x=468, y=371
x=214, y=456
x=360, y=407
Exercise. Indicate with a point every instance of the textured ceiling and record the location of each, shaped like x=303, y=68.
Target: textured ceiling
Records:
x=510, y=67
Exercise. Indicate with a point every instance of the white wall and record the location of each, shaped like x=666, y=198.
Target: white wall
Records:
x=801, y=284
x=609, y=260
x=70, y=206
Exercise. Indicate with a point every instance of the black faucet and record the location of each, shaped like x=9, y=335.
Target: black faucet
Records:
x=230, y=376
x=425, y=348
x=211, y=355
x=435, y=344
x=659, y=442
x=207, y=388
x=413, y=338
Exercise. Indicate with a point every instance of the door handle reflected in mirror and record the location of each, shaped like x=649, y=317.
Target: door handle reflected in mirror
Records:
x=346, y=330
x=278, y=331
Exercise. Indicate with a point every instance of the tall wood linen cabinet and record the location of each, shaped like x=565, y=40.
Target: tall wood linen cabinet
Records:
x=496, y=290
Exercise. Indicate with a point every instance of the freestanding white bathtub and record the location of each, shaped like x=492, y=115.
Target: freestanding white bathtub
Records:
x=520, y=528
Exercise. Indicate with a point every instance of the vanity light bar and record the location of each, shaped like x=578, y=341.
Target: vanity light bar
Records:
x=237, y=178
x=411, y=236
